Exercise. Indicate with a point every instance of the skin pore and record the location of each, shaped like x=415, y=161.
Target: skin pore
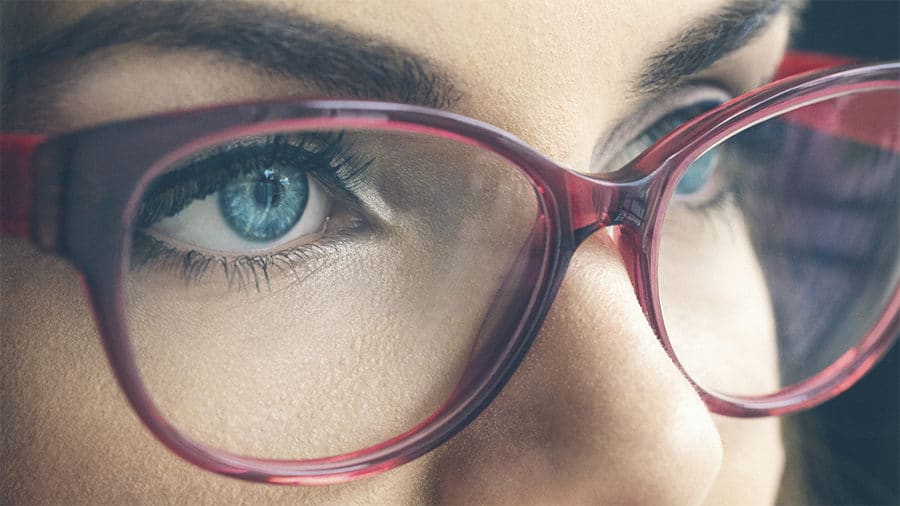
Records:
x=596, y=413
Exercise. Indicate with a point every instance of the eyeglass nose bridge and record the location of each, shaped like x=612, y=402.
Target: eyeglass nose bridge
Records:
x=627, y=199
x=627, y=205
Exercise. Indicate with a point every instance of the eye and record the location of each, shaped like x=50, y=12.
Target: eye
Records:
x=700, y=173
x=259, y=210
x=701, y=184
x=247, y=197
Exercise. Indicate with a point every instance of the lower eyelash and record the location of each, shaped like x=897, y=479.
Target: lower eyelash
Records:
x=241, y=272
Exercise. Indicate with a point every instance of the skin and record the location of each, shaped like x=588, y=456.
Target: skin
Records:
x=596, y=413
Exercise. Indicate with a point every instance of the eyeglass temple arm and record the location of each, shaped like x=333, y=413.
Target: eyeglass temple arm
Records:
x=17, y=183
x=795, y=62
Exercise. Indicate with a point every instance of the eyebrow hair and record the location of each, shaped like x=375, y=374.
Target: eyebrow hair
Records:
x=265, y=38
x=339, y=61
x=707, y=41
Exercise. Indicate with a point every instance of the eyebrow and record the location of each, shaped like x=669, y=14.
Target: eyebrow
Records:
x=266, y=38
x=341, y=62
x=707, y=41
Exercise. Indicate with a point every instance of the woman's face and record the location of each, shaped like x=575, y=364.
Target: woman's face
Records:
x=597, y=412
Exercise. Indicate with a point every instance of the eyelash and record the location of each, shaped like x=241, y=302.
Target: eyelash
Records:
x=203, y=176
x=328, y=157
x=241, y=272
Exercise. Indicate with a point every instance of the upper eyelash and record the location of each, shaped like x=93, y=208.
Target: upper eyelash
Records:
x=328, y=156
x=196, y=179
x=648, y=114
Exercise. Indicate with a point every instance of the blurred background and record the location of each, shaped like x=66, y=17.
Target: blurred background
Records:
x=846, y=451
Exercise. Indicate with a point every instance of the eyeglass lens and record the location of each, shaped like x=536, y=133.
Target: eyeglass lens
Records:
x=789, y=255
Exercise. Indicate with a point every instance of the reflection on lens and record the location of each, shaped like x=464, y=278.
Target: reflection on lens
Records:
x=792, y=255
x=304, y=294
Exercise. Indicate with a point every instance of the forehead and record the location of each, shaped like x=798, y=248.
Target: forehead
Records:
x=530, y=53
x=583, y=43
x=554, y=44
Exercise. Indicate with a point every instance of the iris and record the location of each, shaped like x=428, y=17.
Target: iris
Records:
x=264, y=205
x=696, y=176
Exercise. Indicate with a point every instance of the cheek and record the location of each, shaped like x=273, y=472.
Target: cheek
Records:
x=715, y=302
x=68, y=434
x=341, y=360
x=720, y=321
x=753, y=461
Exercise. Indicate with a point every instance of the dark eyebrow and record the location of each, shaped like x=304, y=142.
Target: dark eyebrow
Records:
x=268, y=39
x=707, y=41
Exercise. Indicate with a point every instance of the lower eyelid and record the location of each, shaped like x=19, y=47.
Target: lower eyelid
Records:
x=151, y=257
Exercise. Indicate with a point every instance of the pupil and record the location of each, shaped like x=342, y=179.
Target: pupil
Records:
x=263, y=206
x=268, y=190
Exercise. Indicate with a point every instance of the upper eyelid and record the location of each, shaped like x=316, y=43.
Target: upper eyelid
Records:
x=215, y=160
x=652, y=111
x=718, y=35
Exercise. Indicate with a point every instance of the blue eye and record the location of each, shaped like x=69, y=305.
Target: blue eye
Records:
x=264, y=205
x=700, y=172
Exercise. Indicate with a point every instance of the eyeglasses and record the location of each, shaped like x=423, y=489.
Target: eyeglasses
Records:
x=310, y=291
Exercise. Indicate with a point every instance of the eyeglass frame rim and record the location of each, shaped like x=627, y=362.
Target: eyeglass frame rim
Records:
x=651, y=178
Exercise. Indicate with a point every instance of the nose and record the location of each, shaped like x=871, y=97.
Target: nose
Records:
x=597, y=412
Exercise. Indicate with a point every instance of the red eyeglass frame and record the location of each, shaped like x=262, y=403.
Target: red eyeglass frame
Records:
x=63, y=194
